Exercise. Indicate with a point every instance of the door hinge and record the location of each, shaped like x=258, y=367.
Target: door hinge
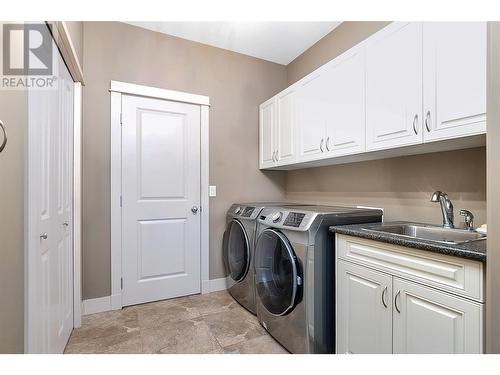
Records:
x=121, y=201
x=121, y=283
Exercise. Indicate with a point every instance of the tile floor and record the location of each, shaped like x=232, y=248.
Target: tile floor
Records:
x=210, y=323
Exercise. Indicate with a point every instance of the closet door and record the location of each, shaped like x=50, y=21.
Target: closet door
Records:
x=50, y=202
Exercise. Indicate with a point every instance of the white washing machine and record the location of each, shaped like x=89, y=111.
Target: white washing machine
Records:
x=294, y=273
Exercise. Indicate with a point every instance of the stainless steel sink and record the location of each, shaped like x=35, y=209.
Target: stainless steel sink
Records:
x=430, y=233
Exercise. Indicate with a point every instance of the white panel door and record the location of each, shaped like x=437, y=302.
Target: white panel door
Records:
x=346, y=104
x=267, y=146
x=62, y=271
x=161, y=195
x=364, y=310
x=427, y=321
x=312, y=99
x=394, y=87
x=50, y=190
x=285, y=127
x=454, y=79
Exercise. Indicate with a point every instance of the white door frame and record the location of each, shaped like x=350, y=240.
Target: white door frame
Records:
x=117, y=90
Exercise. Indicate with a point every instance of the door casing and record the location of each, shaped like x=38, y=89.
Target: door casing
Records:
x=117, y=89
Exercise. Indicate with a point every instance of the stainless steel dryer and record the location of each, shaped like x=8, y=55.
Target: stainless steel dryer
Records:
x=294, y=273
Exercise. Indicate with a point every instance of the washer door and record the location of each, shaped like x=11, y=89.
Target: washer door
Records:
x=276, y=272
x=237, y=250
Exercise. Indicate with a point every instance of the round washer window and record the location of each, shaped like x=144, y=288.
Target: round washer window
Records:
x=237, y=251
x=275, y=272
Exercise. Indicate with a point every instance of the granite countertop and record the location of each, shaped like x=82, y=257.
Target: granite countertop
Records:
x=475, y=250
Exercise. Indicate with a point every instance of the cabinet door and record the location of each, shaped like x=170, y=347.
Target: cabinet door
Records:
x=394, y=87
x=454, y=79
x=285, y=127
x=364, y=312
x=346, y=104
x=311, y=120
x=267, y=119
x=427, y=321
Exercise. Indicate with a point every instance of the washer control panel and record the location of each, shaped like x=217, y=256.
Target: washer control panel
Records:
x=294, y=219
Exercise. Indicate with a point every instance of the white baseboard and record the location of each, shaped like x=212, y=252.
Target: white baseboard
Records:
x=96, y=305
x=114, y=302
x=218, y=284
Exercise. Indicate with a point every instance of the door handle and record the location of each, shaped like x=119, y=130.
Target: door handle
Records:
x=194, y=210
x=415, y=123
x=44, y=236
x=427, y=121
x=396, y=302
x=383, y=295
x=4, y=135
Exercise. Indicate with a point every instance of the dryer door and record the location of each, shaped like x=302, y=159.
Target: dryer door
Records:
x=236, y=250
x=276, y=272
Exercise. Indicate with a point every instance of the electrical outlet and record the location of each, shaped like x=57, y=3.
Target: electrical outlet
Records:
x=212, y=191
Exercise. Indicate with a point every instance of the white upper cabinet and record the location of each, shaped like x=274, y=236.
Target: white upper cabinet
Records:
x=454, y=79
x=285, y=127
x=345, y=104
x=312, y=101
x=427, y=321
x=408, y=84
x=267, y=125
x=394, y=87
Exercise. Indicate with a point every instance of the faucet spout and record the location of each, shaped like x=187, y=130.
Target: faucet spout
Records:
x=446, y=208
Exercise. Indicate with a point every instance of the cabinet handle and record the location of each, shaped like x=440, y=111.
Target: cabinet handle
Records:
x=4, y=135
x=427, y=121
x=327, y=144
x=415, y=123
x=274, y=153
x=44, y=236
x=277, y=158
x=396, y=302
x=321, y=144
x=383, y=295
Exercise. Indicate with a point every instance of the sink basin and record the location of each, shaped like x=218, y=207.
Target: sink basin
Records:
x=430, y=233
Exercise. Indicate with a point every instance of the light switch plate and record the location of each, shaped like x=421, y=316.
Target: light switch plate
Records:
x=212, y=191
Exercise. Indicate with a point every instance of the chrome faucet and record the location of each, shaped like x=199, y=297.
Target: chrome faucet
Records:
x=468, y=219
x=446, y=208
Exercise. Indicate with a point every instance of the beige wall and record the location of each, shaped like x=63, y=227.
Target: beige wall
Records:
x=13, y=108
x=493, y=191
x=236, y=84
x=402, y=186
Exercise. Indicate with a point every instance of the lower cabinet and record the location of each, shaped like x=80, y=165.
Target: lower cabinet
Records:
x=378, y=312
x=430, y=321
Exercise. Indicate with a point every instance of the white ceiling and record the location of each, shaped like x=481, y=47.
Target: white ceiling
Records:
x=279, y=42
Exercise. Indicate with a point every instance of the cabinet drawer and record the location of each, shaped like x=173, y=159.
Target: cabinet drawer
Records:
x=460, y=276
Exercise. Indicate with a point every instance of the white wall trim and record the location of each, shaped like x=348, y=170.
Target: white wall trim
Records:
x=217, y=284
x=96, y=305
x=154, y=92
x=116, y=91
x=77, y=205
